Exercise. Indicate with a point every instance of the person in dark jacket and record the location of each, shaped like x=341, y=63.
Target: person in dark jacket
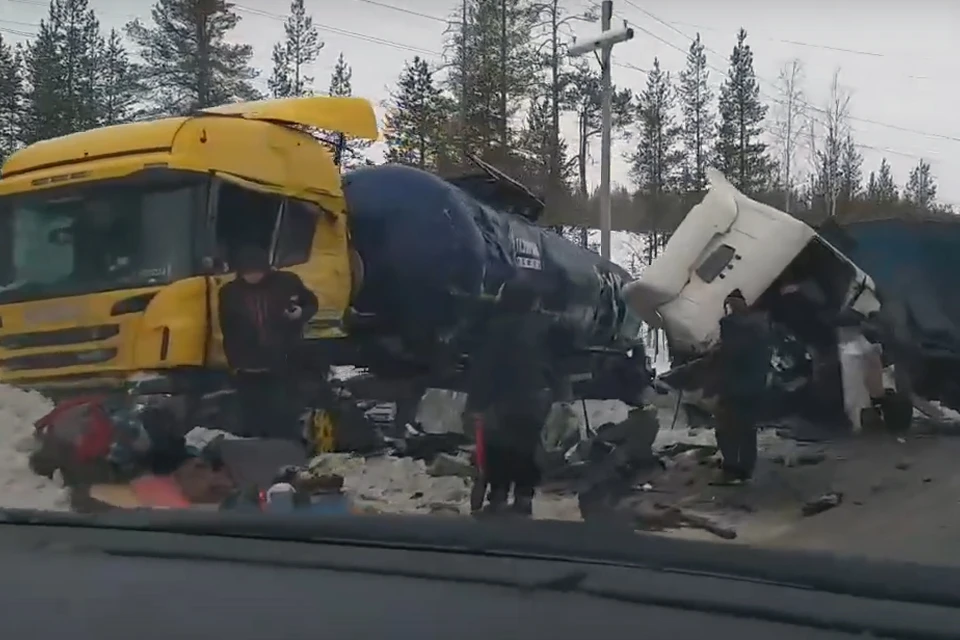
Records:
x=745, y=364
x=510, y=392
x=262, y=316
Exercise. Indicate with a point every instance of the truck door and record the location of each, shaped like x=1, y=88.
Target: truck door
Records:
x=239, y=214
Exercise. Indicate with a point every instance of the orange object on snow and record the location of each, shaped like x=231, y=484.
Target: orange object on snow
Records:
x=159, y=492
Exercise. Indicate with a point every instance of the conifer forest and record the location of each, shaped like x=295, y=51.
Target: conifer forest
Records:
x=504, y=89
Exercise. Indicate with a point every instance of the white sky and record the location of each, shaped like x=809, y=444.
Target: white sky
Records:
x=899, y=60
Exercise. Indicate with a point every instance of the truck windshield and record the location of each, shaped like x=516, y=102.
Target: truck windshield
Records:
x=96, y=238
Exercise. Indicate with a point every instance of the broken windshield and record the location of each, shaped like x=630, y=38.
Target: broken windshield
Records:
x=98, y=237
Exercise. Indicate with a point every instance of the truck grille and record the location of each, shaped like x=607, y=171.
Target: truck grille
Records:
x=58, y=360
x=59, y=337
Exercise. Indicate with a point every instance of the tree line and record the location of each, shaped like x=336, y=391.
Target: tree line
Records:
x=505, y=92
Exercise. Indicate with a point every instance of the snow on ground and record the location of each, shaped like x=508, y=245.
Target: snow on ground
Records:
x=20, y=488
x=395, y=485
x=385, y=484
x=403, y=485
x=388, y=484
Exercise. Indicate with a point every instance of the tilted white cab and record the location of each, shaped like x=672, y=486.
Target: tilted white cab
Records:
x=730, y=241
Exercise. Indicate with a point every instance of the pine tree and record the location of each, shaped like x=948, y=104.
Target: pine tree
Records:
x=62, y=64
x=341, y=80
x=881, y=187
x=413, y=127
x=654, y=164
x=186, y=62
x=341, y=84
x=698, y=119
x=539, y=146
x=554, y=20
x=292, y=57
x=740, y=152
x=43, y=116
x=921, y=188
x=493, y=74
x=851, y=174
x=119, y=88
x=584, y=96
x=11, y=98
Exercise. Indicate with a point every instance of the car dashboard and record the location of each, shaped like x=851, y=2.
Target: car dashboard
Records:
x=63, y=580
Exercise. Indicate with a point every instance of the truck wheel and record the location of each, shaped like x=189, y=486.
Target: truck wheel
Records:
x=897, y=412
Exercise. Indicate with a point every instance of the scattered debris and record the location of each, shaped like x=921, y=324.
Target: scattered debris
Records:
x=800, y=459
x=824, y=503
x=445, y=464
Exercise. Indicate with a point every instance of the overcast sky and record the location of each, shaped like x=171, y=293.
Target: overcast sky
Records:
x=899, y=60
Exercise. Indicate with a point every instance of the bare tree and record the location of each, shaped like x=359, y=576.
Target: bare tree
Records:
x=834, y=125
x=788, y=125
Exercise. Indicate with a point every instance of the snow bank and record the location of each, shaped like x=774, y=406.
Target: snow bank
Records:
x=20, y=488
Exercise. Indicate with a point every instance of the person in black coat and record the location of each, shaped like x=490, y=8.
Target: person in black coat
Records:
x=262, y=316
x=745, y=364
x=511, y=385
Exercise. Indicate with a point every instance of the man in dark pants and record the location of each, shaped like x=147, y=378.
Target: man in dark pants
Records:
x=262, y=316
x=510, y=394
x=744, y=366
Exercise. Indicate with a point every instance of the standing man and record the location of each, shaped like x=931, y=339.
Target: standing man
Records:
x=262, y=316
x=745, y=355
x=510, y=393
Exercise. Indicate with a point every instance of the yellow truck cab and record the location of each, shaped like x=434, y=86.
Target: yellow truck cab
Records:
x=114, y=242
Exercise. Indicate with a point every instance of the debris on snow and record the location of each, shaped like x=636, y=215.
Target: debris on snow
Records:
x=449, y=465
x=824, y=503
x=393, y=485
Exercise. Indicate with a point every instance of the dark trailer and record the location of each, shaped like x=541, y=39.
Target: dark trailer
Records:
x=914, y=263
x=433, y=254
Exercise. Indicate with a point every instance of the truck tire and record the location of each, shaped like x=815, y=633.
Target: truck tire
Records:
x=897, y=411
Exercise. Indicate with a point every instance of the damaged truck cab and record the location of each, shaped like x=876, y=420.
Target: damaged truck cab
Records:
x=816, y=299
x=114, y=242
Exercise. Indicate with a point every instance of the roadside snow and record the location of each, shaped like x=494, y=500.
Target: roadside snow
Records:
x=20, y=488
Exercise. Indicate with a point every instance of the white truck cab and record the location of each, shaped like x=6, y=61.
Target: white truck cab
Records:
x=782, y=266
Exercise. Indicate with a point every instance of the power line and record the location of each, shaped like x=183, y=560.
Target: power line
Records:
x=17, y=32
x=413, y=49
x=887, y=125
x=342, y=32
x=320, y=27
x=823, y=47
x=724, y=74
x=22, y=24
x=407, y=11
x=777, y=100
x=809, y=45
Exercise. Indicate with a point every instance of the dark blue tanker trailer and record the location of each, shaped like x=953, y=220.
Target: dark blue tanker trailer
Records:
x=434, y=252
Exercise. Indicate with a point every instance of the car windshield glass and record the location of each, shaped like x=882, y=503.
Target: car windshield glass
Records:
x=97, y=238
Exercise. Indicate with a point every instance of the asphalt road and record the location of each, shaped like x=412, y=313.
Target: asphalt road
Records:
x=901, y=501
x=900, y=497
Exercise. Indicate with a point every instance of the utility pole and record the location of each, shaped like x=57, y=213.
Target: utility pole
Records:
x=605, y=124
x=604, y=44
